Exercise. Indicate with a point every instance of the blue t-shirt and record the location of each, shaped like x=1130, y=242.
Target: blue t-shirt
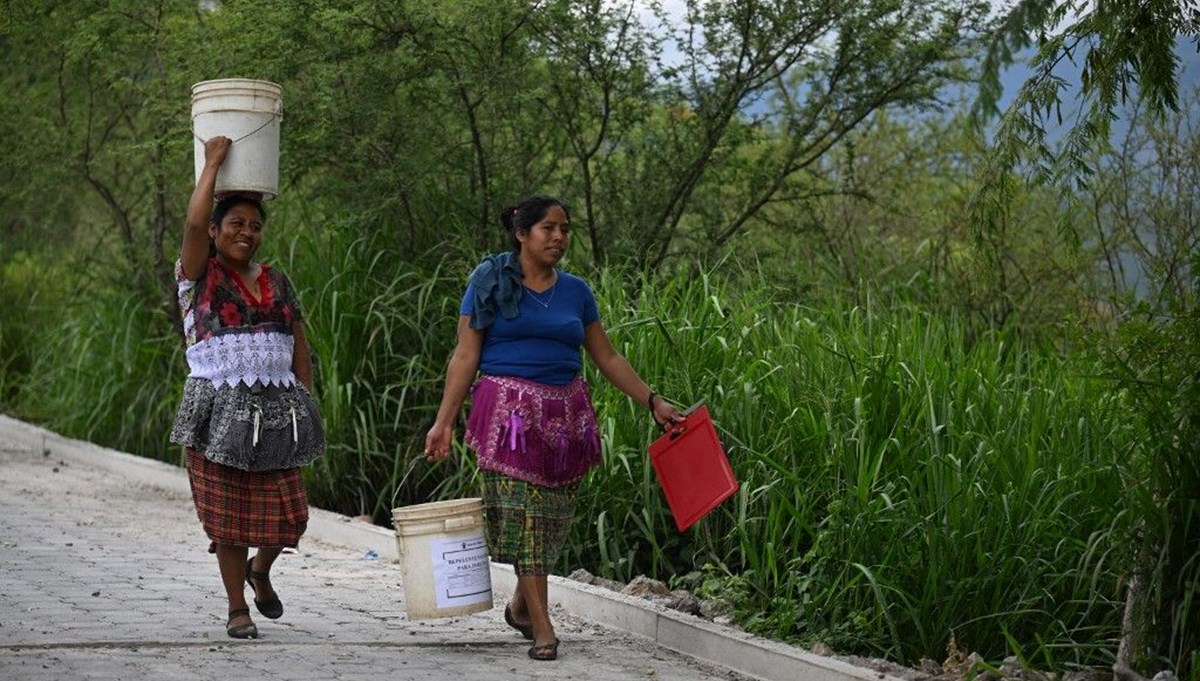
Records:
x=542, y=342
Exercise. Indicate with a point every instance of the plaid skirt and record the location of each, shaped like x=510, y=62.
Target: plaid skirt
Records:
x=267, y=509
x=527, y=524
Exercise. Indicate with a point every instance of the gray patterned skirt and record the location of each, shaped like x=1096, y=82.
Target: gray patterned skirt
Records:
x=256, y=428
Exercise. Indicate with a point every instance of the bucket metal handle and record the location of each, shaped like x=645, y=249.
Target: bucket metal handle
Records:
x=408, y=471
x=202, y=140
x=278, y=113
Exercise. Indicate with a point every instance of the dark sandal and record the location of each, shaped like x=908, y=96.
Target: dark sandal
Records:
x=525, y=629
x=243, y=631
x=271, y=608
x=544, y=652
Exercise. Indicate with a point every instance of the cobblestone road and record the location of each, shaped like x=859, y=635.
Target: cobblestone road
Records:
x=102, y=578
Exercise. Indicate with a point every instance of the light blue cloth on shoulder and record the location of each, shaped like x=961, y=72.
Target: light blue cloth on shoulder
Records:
x=496, y=282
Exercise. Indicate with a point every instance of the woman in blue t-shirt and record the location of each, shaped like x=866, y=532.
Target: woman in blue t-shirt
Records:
x=522, y=322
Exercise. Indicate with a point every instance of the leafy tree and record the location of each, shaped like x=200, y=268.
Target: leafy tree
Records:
x=1140, y=210
x=885, y=221
x=598, y=90
x=804, y=75
x=98, y=145
x=1127, y=52
x=1126, y=49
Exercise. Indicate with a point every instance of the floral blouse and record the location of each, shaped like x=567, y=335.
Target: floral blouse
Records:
x=230, y=335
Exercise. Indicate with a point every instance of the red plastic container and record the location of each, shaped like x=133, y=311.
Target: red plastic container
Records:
x=692, y=468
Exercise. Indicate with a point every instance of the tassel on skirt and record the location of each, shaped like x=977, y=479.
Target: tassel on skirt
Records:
x=544, y=434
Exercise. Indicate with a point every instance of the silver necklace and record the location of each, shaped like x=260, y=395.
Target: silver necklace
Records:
x=544, y=303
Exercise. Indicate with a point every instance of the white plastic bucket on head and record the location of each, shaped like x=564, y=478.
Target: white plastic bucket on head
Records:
x=443, y=558
x=249, y=113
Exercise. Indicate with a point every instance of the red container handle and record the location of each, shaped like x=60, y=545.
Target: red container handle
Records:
x=680, y=428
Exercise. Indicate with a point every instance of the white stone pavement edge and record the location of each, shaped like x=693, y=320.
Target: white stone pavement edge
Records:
x=698, y=638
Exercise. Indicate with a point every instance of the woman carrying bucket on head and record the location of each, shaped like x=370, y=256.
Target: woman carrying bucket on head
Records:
x=247, y=420
x=521, y=325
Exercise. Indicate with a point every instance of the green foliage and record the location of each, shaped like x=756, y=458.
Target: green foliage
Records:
x=1155, y=361
x=783, y=54
x=381, y=324
x=1144, y=235
x=106, y=373
x=21, y=288
x=1127, y=54
x=1129, y=48
x=886, y=219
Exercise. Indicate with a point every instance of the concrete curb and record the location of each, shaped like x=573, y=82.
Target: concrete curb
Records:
x=728, y=648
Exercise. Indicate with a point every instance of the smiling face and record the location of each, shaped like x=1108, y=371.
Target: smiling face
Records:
x=239, y=234
x=546, y=240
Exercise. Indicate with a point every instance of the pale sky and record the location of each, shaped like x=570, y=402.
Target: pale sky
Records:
x=675, y=10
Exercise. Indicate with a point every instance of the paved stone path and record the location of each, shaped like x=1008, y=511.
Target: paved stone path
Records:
x=101, y=578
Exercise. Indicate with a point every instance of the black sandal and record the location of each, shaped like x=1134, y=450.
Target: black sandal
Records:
x=243, y=631
x=548, y=651
x=271, y=608
x=525, y=629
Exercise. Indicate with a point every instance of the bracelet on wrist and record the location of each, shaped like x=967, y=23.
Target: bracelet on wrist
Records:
x=650, y=401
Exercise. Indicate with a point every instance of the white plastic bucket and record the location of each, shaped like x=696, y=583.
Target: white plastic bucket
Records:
x=249, y=113
x=443, y=558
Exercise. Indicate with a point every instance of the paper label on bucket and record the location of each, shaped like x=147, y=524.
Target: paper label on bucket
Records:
x=461, y=574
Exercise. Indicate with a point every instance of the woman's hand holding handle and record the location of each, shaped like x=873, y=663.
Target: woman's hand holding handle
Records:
x=216, y=149
x=437, y=442
x=664, y=413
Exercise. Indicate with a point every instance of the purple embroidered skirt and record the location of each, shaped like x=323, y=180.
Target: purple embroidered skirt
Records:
x=544, y=434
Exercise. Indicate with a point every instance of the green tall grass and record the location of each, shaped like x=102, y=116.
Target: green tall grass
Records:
x=110, y=369
x=899, y=480
x=381, y=323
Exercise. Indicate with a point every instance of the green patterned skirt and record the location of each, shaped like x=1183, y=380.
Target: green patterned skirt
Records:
x=527, y=524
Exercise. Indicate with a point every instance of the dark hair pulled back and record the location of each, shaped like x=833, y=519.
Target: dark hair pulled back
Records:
x=227, y=203
x=526, y=214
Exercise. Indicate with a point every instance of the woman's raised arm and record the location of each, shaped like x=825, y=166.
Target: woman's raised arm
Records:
x=194, y=253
